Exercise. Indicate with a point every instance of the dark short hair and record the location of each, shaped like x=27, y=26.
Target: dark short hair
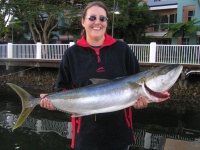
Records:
x=95, y=3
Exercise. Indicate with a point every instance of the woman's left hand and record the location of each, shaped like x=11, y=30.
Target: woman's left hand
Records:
x=140, y=103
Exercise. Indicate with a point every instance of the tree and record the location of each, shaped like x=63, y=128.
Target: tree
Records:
x=185, y=28
x=5, y=16
x=133, y=20
x=42, y=16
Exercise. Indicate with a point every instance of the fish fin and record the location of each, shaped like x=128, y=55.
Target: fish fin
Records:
x=76, y=115
x=134, y=84
x=79, y=115
x=27, y=104
x=101, y=81
x=98, y=81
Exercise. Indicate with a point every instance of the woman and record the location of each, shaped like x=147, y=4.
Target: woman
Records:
x=98, y=55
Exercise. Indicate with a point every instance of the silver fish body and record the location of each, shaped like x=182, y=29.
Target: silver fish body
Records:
x=117, y=94
x=108, y=96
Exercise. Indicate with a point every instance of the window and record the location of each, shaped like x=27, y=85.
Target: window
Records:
x=199, y=41
x=156, y=28
x=185, y=41
x=191, y=15
x=165, y=20
x=172, y=18
x=163, y=41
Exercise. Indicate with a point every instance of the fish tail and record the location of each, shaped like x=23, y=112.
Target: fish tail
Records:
x=27, y=104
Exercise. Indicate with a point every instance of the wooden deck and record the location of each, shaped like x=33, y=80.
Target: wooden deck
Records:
x=55, y=63
x=173, y=144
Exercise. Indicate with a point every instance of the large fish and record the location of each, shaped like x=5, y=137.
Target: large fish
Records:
x=106, y=95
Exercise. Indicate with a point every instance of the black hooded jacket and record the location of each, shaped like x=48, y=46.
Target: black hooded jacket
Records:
x=79, y=64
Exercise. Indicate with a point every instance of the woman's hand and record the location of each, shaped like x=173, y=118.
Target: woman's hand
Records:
x=45, y=103
x=140, y=103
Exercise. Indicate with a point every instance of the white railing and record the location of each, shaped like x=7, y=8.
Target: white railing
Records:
x=24, y=51
x=183, y=54
x=142, y=51
x=3, y=51
x=146, y=53
x=33, y=51
x=53, y=51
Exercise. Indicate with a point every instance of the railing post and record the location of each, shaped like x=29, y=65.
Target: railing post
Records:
x=39, y=50
x=71, y=43
x=152, y=55
x=10, y=50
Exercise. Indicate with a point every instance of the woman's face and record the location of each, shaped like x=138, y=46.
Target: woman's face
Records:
x=95, y=23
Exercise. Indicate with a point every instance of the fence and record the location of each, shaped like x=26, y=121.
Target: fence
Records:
x=146, y=53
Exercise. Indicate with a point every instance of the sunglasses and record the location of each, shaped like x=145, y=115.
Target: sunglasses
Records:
x=101, y=18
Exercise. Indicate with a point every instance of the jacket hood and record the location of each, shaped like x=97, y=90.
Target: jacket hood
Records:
x=107, y=42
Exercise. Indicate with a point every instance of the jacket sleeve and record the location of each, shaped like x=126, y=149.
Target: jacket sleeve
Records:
x=132, y=65
x=64, y=80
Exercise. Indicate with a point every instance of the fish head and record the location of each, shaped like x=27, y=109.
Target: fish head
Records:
x=162, y=78
x=153, y=96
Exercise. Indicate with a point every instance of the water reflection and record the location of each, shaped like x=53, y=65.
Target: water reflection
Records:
x=47, y=130
x=43, y=130
x=154, y=127
x=36, y=125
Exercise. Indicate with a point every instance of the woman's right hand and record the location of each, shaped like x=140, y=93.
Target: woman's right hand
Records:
x=45, y=102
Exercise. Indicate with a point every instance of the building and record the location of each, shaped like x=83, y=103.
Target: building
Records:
x=174, y=11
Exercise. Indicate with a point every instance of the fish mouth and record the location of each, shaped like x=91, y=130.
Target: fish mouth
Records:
x=156, y=96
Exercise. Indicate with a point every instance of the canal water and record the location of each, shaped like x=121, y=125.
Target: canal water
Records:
x=51, y=130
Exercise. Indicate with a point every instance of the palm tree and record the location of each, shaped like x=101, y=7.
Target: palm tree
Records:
x=182, y=28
